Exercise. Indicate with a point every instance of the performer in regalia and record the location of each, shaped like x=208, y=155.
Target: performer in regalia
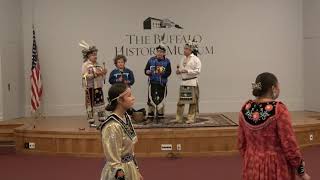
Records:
x=121, y=73
x=119, y=137
x=189, y=70
x=266, y=138
x=93, y=78
x=158, y=69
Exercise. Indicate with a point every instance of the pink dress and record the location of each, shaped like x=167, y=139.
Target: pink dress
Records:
x=267, y=142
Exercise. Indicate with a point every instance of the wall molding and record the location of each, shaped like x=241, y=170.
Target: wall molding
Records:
x=312, y=108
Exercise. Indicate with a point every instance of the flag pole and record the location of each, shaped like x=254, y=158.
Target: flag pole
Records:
x=33, y=112
x=36, y=84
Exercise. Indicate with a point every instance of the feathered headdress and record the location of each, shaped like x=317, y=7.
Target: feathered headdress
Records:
x=161, y=45
x=87, y=49
x=193, y=45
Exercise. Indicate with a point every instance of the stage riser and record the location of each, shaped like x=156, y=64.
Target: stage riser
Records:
x=7, y=132
x=194, y=142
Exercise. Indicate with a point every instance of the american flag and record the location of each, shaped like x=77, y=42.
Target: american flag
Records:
x=36, y=85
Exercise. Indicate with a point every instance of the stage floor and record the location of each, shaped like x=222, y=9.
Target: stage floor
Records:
x=73, y=123
x=71, y=136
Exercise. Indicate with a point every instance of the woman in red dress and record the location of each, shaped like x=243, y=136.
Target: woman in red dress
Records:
x=266, y=139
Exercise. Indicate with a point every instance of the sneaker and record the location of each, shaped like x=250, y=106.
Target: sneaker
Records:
x=102, y=119
x=93, y=125
x=190, y=121
x=161, y=116
x=151, y=114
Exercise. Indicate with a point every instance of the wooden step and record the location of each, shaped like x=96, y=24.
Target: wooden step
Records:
x=7, y=144
x=7, y=132
x=7, y=147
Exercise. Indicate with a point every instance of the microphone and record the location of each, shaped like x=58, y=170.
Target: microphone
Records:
x=178, y=71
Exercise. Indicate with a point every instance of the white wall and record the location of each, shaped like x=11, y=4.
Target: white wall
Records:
x=12, y=102
x=311, y=16
x=2, y=18
x=1, y=99
x=248, y=36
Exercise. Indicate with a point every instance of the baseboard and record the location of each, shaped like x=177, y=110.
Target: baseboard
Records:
x=295, y=104
x=218, y=105
x=312, y=108
x=311, y=36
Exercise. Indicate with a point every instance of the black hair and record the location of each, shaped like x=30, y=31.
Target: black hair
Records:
x=162, y=48
x=115, y=90
x=118, y=57
x=265, y=81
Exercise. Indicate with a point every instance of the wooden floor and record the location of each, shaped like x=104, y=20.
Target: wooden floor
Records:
x=71, y=136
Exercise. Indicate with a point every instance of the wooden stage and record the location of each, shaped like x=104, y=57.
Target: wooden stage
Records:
x=63, y=136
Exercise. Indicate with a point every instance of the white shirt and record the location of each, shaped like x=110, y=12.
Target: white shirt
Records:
x=193, y=65
x=88, y=71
